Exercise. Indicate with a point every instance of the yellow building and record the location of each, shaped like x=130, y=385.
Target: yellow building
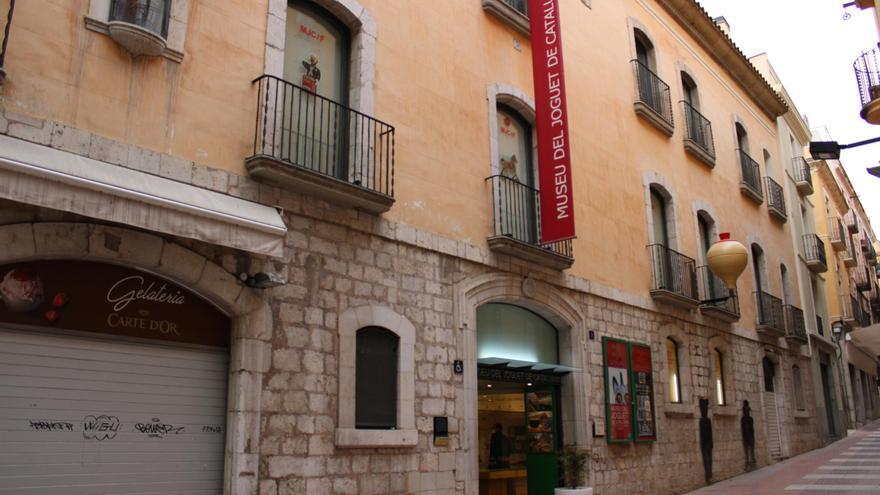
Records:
x=346, y=193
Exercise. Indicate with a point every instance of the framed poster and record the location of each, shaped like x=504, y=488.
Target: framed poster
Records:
x=618, y=401
x=539, y=418
x=642, y=379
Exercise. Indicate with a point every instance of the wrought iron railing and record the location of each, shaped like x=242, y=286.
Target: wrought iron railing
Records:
x=820, y=325
x=712, y=287
x=673, y=272
x=653, y=92
x=851, y=221
x=521, y=6
x=775, y=196
x=861, y=278
x=698, y=129
x=860, y=312
x=802, y=170
x=751, y=173
x=6, y=39
x=814, y=249
x=517, y=213
x=837, y=233
x=867, y=72
x=770, y=312
x=307, y=130
x=151, y=15
x=795, y=327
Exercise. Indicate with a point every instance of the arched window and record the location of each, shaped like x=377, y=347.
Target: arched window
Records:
x=689, y=91
x=718, y=370
x=672, y=371
x=659, y=217
x=742, y=138
x=798, y=387
x=516, y=181
x=376, y=379
x=645, y=50
x=768, y=164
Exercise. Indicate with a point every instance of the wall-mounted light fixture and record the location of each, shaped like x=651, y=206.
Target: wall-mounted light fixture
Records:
x=262, y=280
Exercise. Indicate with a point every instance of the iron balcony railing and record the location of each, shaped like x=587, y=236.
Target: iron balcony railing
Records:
x=751, y=173
x=775, y=196
x=795, y=327
x=861, y=276
x=653, y=92
x=814, y=249
x=802, y=170
x=304, y=129
x=517, y=211
x=836, y=233
x=820, y=325
x=151, y=15
x=521, y=6
x=867, y=76
x=698, y=129
x=673, y=272
x=770, y=312
x=712, y=287
x=851, y=221
x=861, y=314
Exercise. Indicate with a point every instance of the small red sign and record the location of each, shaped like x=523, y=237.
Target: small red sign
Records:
x=618, y=401
x=551, y=119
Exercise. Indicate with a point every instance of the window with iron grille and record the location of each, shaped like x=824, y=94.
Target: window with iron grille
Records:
x=376, y=379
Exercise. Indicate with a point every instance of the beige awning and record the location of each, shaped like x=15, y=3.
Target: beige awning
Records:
x=868, y=338
x=51, y=178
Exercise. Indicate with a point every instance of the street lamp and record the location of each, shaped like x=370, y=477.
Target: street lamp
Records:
x=836, y=330
x=727, y=259
x=875, y=171
x=830, y=150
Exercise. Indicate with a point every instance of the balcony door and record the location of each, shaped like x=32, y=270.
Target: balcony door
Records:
x=315, y=127
x=517, y=194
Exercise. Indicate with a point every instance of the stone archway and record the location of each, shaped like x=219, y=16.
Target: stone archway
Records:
x=554, y=306
x=250, y=350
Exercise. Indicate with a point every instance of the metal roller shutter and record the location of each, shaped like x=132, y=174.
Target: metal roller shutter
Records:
x=83, y=415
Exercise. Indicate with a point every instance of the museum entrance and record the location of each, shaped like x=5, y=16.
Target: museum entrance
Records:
x=518, y=401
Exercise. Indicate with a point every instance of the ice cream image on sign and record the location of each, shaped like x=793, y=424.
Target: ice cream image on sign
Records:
x=21, y=290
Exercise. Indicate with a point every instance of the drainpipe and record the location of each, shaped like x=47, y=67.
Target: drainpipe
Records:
x=6, y=41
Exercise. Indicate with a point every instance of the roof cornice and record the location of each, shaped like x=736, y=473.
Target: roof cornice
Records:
x=691, y=15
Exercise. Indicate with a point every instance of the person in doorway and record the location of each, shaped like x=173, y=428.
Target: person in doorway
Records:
x=747, y=425
x=706, y=443
x=499, y=449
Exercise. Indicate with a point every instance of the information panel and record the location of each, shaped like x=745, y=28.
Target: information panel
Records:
x=643, y=393
x=618, y=402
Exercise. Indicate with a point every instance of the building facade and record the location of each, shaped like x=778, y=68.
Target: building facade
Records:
x=309, y=233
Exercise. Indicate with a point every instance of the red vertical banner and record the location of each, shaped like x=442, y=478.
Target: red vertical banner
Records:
x=618, y=401
x=551, y=119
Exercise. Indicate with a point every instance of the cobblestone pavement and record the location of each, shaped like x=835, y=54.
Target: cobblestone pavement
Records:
x=848, y=467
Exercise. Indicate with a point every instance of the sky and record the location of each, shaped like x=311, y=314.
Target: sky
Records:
x=812, y=48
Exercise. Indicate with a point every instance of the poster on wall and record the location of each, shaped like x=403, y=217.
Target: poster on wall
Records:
x=645, y=427
x=618, y=400
x=539, y=414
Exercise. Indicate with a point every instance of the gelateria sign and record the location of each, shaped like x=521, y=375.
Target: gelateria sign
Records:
x=109, y=299
x=551, y=119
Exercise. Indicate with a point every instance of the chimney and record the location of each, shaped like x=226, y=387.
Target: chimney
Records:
x=722, y=23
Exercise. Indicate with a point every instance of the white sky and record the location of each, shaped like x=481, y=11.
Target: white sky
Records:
x=812, y=50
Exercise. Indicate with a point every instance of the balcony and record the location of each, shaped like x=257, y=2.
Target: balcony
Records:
x=771, y=319
x=795, y=328
x=862, y=278
x=514, y=13
x=139, y=26
x=860, y=311
x=868, y=78
x=803, y=179
x=870, y=255
x=653, y=102
x=698, y=139
x=712, y=287
x=820, y=325
x=814, y=253
x=516, y=210
x=315, y=146
x=674, y=277
x=750, y=180
x=836, y=234
x=849, y=255
x=851, y=221
x=775, y=199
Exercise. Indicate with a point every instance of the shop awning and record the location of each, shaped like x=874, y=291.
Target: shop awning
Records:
x=868, y=338
x=51, y=178
x=512, y=364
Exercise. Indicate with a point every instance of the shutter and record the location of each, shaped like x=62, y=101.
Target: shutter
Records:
x=92, y=416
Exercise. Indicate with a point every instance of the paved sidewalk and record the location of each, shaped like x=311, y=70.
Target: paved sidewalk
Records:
x=848, y=467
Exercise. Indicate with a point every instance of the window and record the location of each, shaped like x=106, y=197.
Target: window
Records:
x=514, y=13
x=672, y=371
x=654, y=101
x=376, y=379
x=698, y=138
x=689, y=91
x=516, y=188
x=143, y=27
x=151, y=15
x=718, y=368
x=798, y=388
x=659, y=218
x=316, y=51
x=645, y=51
x=758, y=267
x=769, y=374
x=742, y=138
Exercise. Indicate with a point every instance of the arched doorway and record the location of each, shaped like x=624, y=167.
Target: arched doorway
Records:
x=519, y=410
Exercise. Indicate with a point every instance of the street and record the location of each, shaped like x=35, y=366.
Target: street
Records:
x=848, y=467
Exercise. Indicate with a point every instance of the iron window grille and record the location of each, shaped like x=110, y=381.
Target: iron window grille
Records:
x=673, y=272
x=521, y=6
x=151, y=15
